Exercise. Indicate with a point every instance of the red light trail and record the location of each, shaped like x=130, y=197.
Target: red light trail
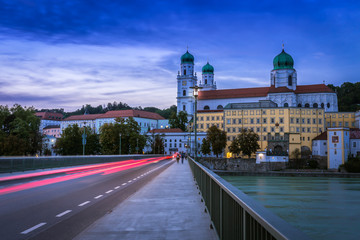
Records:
x=76, y=172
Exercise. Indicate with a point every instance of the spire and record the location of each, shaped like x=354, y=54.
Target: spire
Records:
x=283, y=45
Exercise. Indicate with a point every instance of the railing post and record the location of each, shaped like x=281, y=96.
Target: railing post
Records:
x=221, y=215
x=244, y=223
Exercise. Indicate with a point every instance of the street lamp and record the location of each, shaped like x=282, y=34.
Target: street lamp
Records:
x=84, y=139
x=196, y=93
x=120, y=144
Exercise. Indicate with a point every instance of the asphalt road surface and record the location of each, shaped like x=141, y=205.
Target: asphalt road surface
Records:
x=59, y=205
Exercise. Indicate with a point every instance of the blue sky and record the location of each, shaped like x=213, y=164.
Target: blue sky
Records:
x=64, y=54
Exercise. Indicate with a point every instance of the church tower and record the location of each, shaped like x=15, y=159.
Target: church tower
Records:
x=283, y=74
x=208, y=82
x=186, y=78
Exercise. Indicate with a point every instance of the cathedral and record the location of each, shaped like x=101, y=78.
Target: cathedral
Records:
x=284, y=90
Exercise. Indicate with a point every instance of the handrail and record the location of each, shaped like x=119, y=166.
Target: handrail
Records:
x=247, y=218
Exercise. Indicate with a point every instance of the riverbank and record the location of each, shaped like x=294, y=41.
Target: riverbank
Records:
x=292, y=173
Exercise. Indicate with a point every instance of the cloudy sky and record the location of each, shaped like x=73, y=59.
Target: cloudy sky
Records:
x=64, y=54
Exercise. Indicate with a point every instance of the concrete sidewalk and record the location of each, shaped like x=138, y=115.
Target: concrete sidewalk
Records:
x=168, y=207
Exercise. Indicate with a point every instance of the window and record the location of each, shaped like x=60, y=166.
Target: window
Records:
x=281, y=129
x=272, y=120
x=184, y=92
x=258, y=120
x=201, y=125
x=290, y=81
x=217, y=118
x=251, y=120
x=205, y=81
x=264, y=120
x=340, y=124
x=220, y=107
x=264, y=129
x=264, y=138
x=308, y=121
x=184, y=107
x=234, y=129
x=207, y=118
x=307, y=105
x=354, y=144
x=184, y=71
x=228, y=121
x=286, y=105
x=228, y=129
x=315, y=105
x=297, y=129
x=308, y=130
x=239, y=120
x=303, y=120
x=281, y=120
x=346, y=124
x=303, y=130
x=206, y=107
x=179, y=144
x=258, y=129
x=207, y=125
x=299, y=105
x=234, y=121
x=298, y=120
x=314, y=121
x=239, y=129
x=272, y=129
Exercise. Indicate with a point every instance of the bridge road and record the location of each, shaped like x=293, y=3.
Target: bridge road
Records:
x=168, y=207
x=62, y=209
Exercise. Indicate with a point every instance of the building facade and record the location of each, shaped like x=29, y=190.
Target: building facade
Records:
x=283, y=90
x=49, y=118
x=146, y=120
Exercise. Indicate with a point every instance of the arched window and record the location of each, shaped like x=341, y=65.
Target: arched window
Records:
x=184, y=71
x=307, y=105
x=286, y=104
x=184, y=92
x=205, y=81
x=290, y=80
x=315, y=105
x=184, y=107
x=322, y=105
x=220, y=107
x=328, y=105
x=206, y=107
x=299, y=105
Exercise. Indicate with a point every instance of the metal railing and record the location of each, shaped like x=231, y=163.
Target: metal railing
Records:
x=235, y=215
x=20, y=164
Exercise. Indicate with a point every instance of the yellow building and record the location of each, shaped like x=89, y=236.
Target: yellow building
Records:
x=208, y=118
x=340, y=119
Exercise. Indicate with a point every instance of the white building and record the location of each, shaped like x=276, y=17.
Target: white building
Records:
x=146, y=120
x=176, y=140
x=283, y=90
x=338, y=146
x=48, y=119
x=319, y=145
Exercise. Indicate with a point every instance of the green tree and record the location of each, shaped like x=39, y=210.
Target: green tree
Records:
x=235, y=147
x=217, y=139
x=70, y=142
x=131, y=139
x=179, y=120
x=205, y=147
x=19, y=131
x=248, y=142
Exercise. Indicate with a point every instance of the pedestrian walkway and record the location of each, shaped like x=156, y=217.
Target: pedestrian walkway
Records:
x=168, y=207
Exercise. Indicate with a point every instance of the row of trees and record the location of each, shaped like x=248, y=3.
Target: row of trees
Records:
x=19, y=131
x=124, y=133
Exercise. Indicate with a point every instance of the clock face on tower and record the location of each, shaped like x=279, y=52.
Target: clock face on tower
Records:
x=184, y=83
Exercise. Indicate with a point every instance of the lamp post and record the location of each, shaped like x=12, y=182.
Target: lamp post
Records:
x=196, y=94
x=137, y=145
x=84, y=139
x=120, y=144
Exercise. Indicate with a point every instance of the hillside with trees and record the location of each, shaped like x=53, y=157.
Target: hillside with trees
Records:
x=348, y=96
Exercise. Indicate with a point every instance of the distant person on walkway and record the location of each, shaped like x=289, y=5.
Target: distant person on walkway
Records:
x=182, y=157
x=177, y=157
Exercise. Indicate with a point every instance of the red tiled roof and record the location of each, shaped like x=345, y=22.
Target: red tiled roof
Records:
x=167, y=130
x=205, y=111
x=49, y=116
x=315, y=88
x=83, y=117
x=261, y=91
x=234, y=93
x=322, y=136
x=132, y=113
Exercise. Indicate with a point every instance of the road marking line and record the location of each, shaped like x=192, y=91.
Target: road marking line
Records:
x=98, y=196
x=33, y=228
x=109, y=191
x=134, y=179
x=84, y=203
x=117, y=187
x=129, y=181
x=63, y=213
x=123, y=184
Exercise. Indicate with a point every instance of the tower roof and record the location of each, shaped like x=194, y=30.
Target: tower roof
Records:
x=207, y=68
x=187, y=58
x=283, y=61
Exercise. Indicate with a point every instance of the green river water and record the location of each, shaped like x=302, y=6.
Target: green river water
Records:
x=323, y=208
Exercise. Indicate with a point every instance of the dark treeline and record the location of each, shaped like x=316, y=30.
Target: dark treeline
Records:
x=348, y=96
x=166, y=113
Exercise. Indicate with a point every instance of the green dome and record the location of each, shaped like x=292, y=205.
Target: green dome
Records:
x=208, y=68
x=187, y=58
x=283, y=61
